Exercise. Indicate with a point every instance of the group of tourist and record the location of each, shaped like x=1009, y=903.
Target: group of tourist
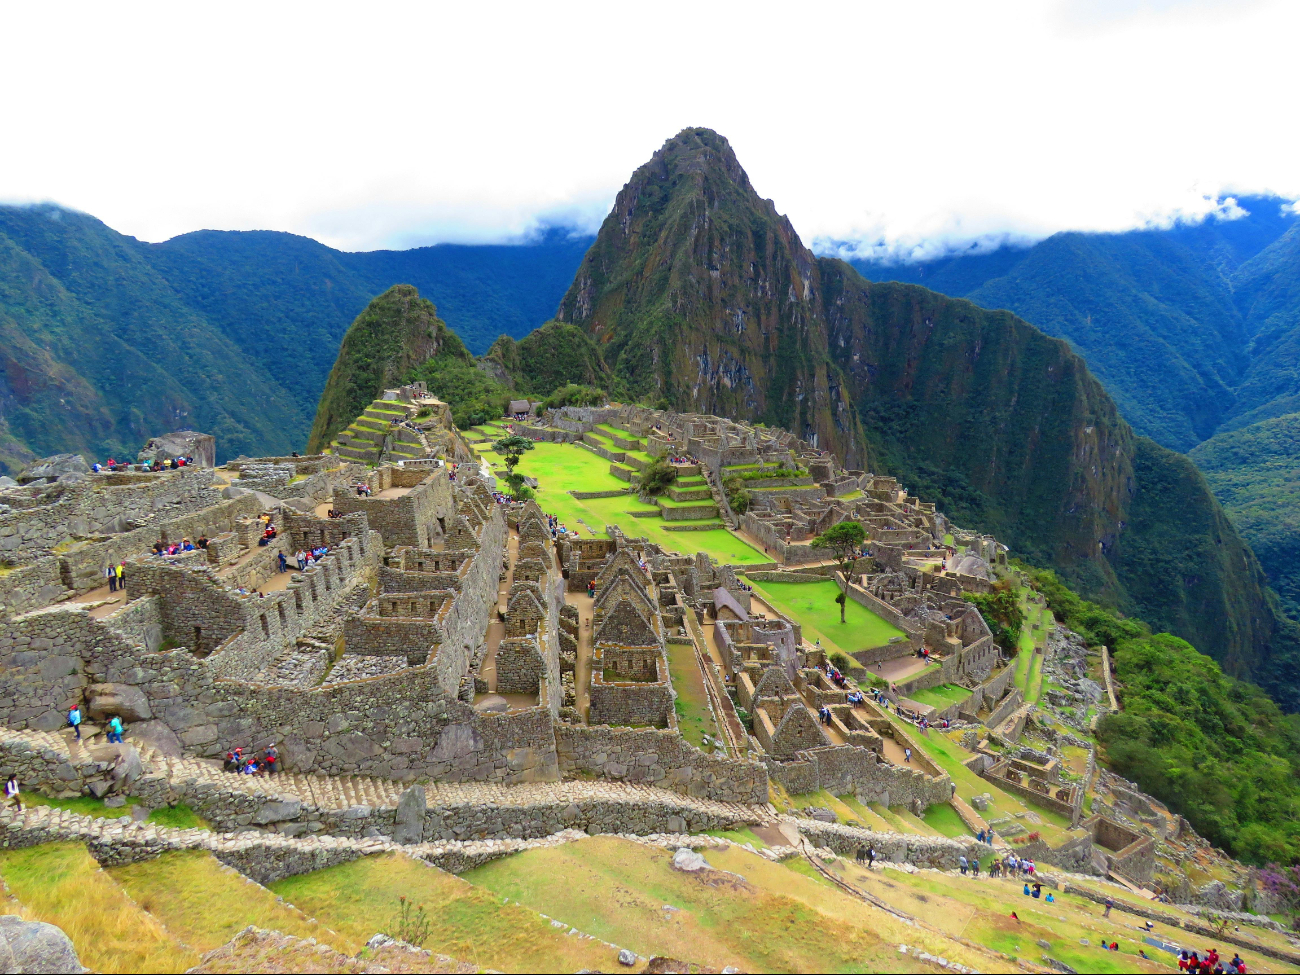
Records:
x=265, y=764
x=116, y=576
x=119, y=466
x=307, y=558
x=176, y=548
x=835, y=677
x=682, y=460
x=362, y=489
x=1191, y=961
x=1011, y=865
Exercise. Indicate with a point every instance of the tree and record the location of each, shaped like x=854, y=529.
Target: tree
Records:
x=512, y=448
x=844, y=542
x=656, y=478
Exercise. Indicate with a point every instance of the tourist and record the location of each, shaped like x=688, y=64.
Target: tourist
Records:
x=1038, y=890
x=13, y=793
x=1109, y=904
x=975, y=868
x=907, y=755
x=871, y=856
x=121, y=576
x=1026, y=890
x=269, y=759
x=187, y=545
x=301, y=558
x=1050, y=898
x=963, y=864
x=115, y=730
x=74, y=719
x=861, y=855
x=203, y=541
x=111, y=576
x=284, y=562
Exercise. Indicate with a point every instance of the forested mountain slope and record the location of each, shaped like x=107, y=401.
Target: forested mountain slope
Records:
x=1195, y=332
x=702, y=296
x=106, y=340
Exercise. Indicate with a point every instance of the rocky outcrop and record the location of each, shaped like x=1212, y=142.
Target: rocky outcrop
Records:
x=34, y=946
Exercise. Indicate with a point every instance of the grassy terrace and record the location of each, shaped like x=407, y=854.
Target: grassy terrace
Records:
x=812, y=605
x=470, y=923
x=1029, y=663
x=561, y=468
x=694, y=719
x=942, y=696
x=759, y=916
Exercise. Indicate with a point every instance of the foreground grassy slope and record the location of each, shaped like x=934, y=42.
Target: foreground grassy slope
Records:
x=467, y=922
x=748, y=912
x=61, y=883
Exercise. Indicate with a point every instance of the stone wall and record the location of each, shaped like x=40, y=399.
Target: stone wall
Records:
x=660, y=758
x=411, y=519
x=920, y=851
x=851, y=769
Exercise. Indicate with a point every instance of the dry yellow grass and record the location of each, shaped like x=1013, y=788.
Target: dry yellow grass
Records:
x=360, y=898
x=204, y=903
x=61, y=883
x=747, y=912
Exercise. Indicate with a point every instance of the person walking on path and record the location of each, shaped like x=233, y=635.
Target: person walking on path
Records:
x=115, y=730
x=963, y=863
x=12, y=792
x=74, y=719
x=1109, y=904
x=111, y=575
x=121, y=576
x=907, y=755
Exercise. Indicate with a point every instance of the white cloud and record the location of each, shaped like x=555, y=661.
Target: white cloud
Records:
x=907, y=126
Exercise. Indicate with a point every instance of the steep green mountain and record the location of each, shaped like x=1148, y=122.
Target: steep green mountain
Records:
x=106, y=340
x=100, y=352
x=546, y=359
x=1193, y=330
x=701, y=295
x=1254, y=472
x=397, y=332
x=1157, y=313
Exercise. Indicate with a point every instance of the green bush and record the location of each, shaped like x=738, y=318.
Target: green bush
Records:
x=1001, y=611
x=656, y=478
x=575, y=395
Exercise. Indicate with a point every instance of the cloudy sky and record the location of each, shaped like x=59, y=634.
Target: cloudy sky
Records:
x=910, y=125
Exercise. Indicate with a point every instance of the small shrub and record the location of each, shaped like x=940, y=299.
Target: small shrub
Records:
x=411, y=923
x=841, y=661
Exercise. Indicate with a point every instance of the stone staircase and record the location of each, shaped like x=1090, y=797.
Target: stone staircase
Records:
x=720, y=499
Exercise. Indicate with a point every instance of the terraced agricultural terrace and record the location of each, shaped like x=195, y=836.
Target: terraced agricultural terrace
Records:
x=523, y=717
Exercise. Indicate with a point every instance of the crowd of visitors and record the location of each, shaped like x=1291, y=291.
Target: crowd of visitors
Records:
x=265, y=764
x=120, y=466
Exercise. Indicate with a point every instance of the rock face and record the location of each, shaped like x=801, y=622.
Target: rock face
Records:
x=34, y=946
x=55, y=467
x=701, y=294
x=127, y=702
x=183, y=443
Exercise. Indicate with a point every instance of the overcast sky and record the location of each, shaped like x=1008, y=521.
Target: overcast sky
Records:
x=391, y=125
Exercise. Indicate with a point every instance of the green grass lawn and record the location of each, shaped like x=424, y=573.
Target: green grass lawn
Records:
x=812, y=605
x=942, y=696
x=942, y=818
x=560, y=468
x=694, y=719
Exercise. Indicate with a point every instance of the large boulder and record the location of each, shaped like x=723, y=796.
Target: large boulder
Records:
x=183, y=443
x=123, y=761
x=411, y=807
x=157, y=736
x=127, y=702
x=34, y=946
x=53, y=468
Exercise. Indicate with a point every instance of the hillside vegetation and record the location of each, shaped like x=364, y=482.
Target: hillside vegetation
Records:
x=106, y=340
x=1195, y=332
x=1216, y=749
